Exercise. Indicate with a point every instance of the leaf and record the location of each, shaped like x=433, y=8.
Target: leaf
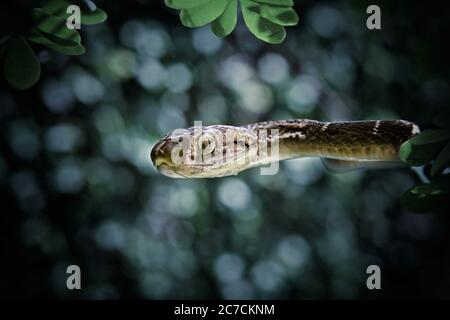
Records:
x=203, y=14
x=226, y=22
x=442, y=161
x=282, y=16
x=430, y=136
x=423, y=147
x=264, y=18
x=284, y=3
x=38, y=37
x=56, y=27
x=57, y=8
x=21, y=66
x=260, y=27
x=425, y=197
x=415, y=201
x=418, y=155
x=427, y=171
x=430, y=189
x=185, y=4
x=93, y=17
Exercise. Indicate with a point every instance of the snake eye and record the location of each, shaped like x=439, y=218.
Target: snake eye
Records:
x=207, y=143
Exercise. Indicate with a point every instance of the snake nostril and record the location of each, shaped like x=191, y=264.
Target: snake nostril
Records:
x=154, y=152
x=160, y=154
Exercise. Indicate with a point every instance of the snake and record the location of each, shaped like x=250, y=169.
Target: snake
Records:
x=223, y=150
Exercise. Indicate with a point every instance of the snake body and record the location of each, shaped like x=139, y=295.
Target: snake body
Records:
x=372, y=141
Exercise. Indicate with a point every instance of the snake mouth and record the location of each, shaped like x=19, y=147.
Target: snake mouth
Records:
x=167, y=171
x=161, y=158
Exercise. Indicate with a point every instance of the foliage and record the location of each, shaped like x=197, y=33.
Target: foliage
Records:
x=21, y=67
x=265, y=19
x=431, y=149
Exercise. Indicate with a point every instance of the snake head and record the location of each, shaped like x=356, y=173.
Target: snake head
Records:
x=204, y=152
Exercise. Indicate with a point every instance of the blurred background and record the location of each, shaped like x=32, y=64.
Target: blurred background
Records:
x=77, y=185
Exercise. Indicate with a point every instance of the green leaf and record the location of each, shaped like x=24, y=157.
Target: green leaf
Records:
x=260, y=27
x=56, y=27
x=425, y=197
x=283, y=16
x=185, y=4
x=226, y=22
x=57, y=8
x=203, y=14
x=442, y=161
x=93, y=17
x=430, y=136
x=47, y=40
x=418, y=155
x=427, y=171
x=430, y=189
x=424, y=147
x=21, y=66
x=283, y=3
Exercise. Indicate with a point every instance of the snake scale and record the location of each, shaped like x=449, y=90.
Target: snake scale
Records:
x=221, y=150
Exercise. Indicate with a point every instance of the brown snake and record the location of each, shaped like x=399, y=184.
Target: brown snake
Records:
x=220, y=150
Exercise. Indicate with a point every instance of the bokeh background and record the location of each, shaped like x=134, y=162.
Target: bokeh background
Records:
x=77, y=185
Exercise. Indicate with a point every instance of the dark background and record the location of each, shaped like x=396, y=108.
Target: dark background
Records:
x=77, y=185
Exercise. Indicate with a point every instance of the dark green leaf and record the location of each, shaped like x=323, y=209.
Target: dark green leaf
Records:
x=427, y=171
x=430, y=189
x=419, y=203
x=262, y=28
x=203, y=14
x=226, y=23
x=185, y=4
x=430, y=136
x=57, y=8
x=442, y=161
x=418, y=155
x=283, y=16
x=47, y=40
x=425, y=197
x=284, y=3
x=48, y=24
x=21, y=66
x=93, y=17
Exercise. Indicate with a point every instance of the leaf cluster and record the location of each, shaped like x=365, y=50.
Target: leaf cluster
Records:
x=21, y=66
x=266, y=19
x=431, y=149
